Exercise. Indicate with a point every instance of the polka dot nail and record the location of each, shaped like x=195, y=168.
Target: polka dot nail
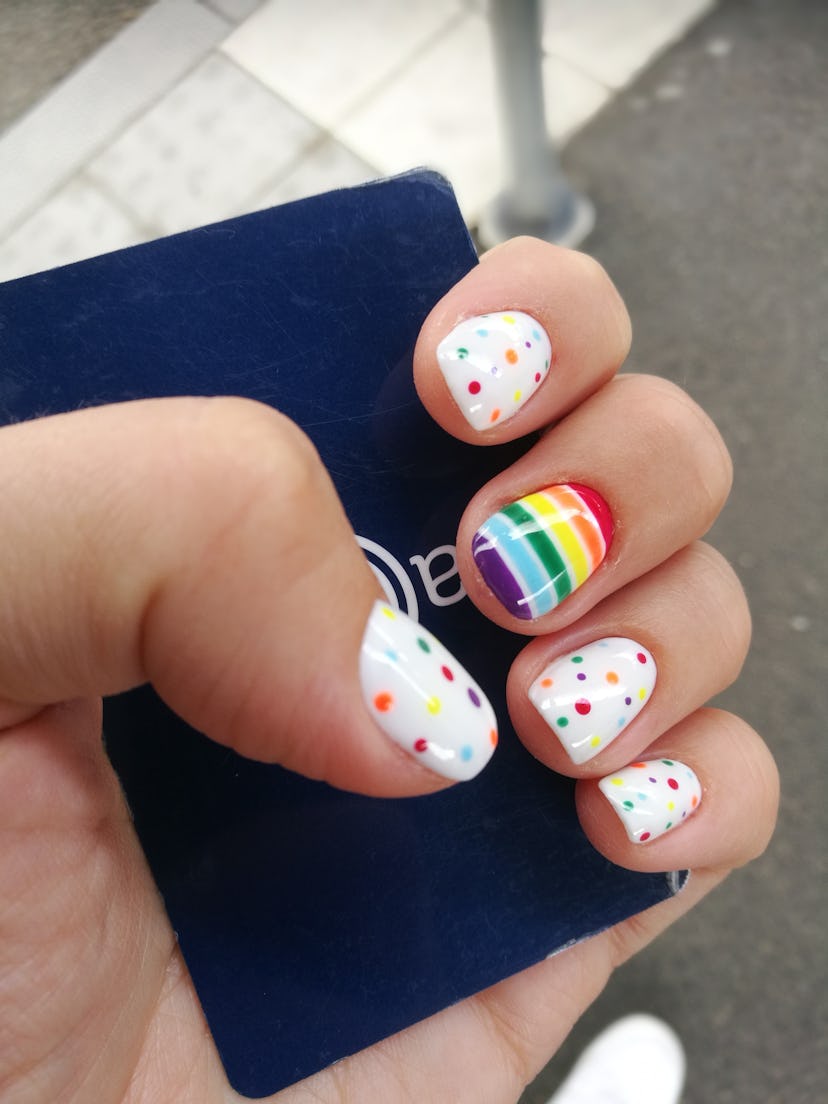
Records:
x=652, y=798
x=589, y=696
x=493, y=364
x=421, y=697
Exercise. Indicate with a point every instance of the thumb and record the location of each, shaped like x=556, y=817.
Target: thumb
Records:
x=199, y=544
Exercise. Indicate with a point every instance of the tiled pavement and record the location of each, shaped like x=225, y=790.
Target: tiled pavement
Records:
x=197, y=111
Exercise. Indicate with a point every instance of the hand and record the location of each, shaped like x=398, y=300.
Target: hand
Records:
x=140, y=544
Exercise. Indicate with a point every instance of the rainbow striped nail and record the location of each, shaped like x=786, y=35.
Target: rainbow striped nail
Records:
x=534, y=552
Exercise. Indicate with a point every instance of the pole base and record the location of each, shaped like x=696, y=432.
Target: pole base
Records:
x=570, y=219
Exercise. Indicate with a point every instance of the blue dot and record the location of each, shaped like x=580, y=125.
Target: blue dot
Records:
x=466, y=752
x=482, y=333
x=392, y=655
x=622, y=721
x=642, y=797
x=536, y=335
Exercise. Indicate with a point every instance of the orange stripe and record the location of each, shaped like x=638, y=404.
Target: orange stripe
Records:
x=588, y=532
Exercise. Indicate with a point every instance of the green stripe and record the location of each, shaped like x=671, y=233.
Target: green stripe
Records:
x=543, y=546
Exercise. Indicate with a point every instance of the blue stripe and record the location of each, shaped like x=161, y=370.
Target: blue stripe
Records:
x=518, y=556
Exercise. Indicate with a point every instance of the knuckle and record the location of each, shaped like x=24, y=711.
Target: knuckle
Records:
x=249, y=457
x=679, y=431
x=734, y=625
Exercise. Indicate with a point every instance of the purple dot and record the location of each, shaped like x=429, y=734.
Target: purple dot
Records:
x=653, y=780
x=474, y=697
x=581, y=676
x=628, y=701
x=528, y=344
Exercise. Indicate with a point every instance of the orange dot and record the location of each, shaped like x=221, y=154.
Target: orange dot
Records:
x=612, y=677
x=546, y=682
x=695, y=801
x=383, y=701
x=493, y=737
x=511, y=356
x=495, y=414
x=640, y=766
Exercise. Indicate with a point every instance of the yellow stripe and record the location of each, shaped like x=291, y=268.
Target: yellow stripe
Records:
x=545, y=505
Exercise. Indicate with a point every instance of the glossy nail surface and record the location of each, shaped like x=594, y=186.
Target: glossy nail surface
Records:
x=493, y=363
x=652, y=797
x=422, y=698
x=590, y=696
x=536, y=551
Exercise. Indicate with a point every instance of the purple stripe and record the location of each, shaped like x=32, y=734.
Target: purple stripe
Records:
x=499, y=578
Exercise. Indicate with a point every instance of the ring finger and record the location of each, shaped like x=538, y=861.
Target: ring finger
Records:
x=591, y=698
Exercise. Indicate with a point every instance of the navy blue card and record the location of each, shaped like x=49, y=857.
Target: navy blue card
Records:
x=316, y=922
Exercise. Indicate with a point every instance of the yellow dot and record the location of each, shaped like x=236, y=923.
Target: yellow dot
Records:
x=434, y=705
x=671, y=805
x=389, y=613
x=517, y=396
x=642, y=693
x=595, y=741
x=617, y=781
x=508, y=318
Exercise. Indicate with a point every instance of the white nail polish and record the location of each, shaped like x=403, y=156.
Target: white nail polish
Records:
x=590, y=695
x=652, y=797
x=422, y=698
x=493, y=363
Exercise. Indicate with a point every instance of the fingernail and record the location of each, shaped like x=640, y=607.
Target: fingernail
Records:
x=652, y=798
x=536, y=551
x=422, y=698
x=590, y=696
x=493, y=363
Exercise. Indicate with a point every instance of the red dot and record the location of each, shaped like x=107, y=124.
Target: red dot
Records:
x=537, y=377
x=644, y=836
x=474, y=387
x=671, y=782
x=421, y=744
x=641, y=657
x=582, y=706
x=447, y=673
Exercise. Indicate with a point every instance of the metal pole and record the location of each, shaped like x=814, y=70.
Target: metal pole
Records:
x=538, y=199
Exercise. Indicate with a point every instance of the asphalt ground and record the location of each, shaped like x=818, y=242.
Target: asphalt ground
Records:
x=710, y=175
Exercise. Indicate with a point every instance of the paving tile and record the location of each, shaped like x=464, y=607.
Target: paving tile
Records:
x=328, y=165
x=78, y=221
x=326, y=56
x=442, y=112
x=233, y=10
x=612, y=41
x=52, y=142
x=204, y=150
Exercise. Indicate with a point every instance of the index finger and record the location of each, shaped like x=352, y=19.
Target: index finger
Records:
x=519, y=342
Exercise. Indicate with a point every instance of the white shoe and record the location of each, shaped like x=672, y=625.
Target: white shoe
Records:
x=636, y=1060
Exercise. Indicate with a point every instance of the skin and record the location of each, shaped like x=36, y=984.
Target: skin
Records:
x=140, y=544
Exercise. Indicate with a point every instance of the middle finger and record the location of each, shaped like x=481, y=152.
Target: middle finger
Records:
x=636, y=473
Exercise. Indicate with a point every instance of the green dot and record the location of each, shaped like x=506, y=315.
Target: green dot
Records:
x=462, y=352
x=562, y=721
x=424, y=644
x=667, y=762
x=577, y=659
x=628, y=805
x=669, y=824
